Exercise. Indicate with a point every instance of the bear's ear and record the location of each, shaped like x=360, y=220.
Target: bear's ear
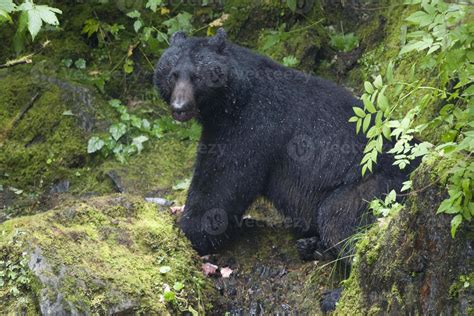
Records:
x=178, y=38
x=219, y=39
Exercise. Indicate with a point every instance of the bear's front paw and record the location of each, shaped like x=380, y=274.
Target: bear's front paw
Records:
x=206, y=232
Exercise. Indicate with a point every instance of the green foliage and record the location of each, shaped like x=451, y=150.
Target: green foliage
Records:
x=153, y=4
x=6, y=7
x=387, y=207
x=271, y=38
x=31, y=18
x=290, y=61
x=442, y=32
x=292, y=4
x=181, y=22
x=128, y=136
x=14, y=273
x=344, y=42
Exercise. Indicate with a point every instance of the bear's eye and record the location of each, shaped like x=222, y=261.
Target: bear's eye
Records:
x=173, y=76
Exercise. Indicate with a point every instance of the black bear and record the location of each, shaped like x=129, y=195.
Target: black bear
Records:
x=269, y=131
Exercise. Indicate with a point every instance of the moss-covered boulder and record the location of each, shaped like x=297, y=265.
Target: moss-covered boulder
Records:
x=108, y=255
x=411, y=265
x=45, y=121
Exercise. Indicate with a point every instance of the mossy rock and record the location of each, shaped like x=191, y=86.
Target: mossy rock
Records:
x=45, y=122
x=108, y=255
x=165, y=163
x=411, y=264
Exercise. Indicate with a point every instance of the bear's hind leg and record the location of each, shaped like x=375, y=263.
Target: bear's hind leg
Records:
x=345, y=210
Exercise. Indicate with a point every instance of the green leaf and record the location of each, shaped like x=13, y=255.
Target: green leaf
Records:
x=378, y=83
x=364, y=169
x=181, y=22
x=115, y=103
x=91, y=26
x=369, y=88
x=67, y=62
x=378, y=119
x=369, y=105
x=344, y=42
x=455, y=222
x=80, y=63
x=95, y=144
x=134, y=14
x=37, y=14
x=48, y=14
x=169, y=296
x=153, y=4
x=34, y=23
x=409, y=47
x=4, y=16
x=290, y=61
x=391, y=197
x=128, y=66
x=7, y=5
x=366, y=124
x=382, y=102
x=118, y=130
x=386, y=132
x=146, y=125
x=138, y=142
x=358, y=126
x=20, y=34
x=137, y=25
x=358, y=111
x=406, y=185
x=178, y=286
x=292, y=4
x=420, y=18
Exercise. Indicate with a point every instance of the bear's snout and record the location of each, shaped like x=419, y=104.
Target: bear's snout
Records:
x=182, y=101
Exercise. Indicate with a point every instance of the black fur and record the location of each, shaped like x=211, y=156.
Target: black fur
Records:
x=276, y=133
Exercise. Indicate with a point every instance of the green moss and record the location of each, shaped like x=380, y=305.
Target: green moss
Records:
x=165, y=163
x=350, y=302
x=464, y=283
x=39, y=145
x=111, y=249
x=300, y=41
x=42, y=143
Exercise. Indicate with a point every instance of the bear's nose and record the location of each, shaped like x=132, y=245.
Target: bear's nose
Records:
x=182, y=98
x=178, y=105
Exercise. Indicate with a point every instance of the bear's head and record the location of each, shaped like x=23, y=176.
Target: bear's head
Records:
x=191, y=73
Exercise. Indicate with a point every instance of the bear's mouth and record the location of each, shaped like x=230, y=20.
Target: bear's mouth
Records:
x=183, y=115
